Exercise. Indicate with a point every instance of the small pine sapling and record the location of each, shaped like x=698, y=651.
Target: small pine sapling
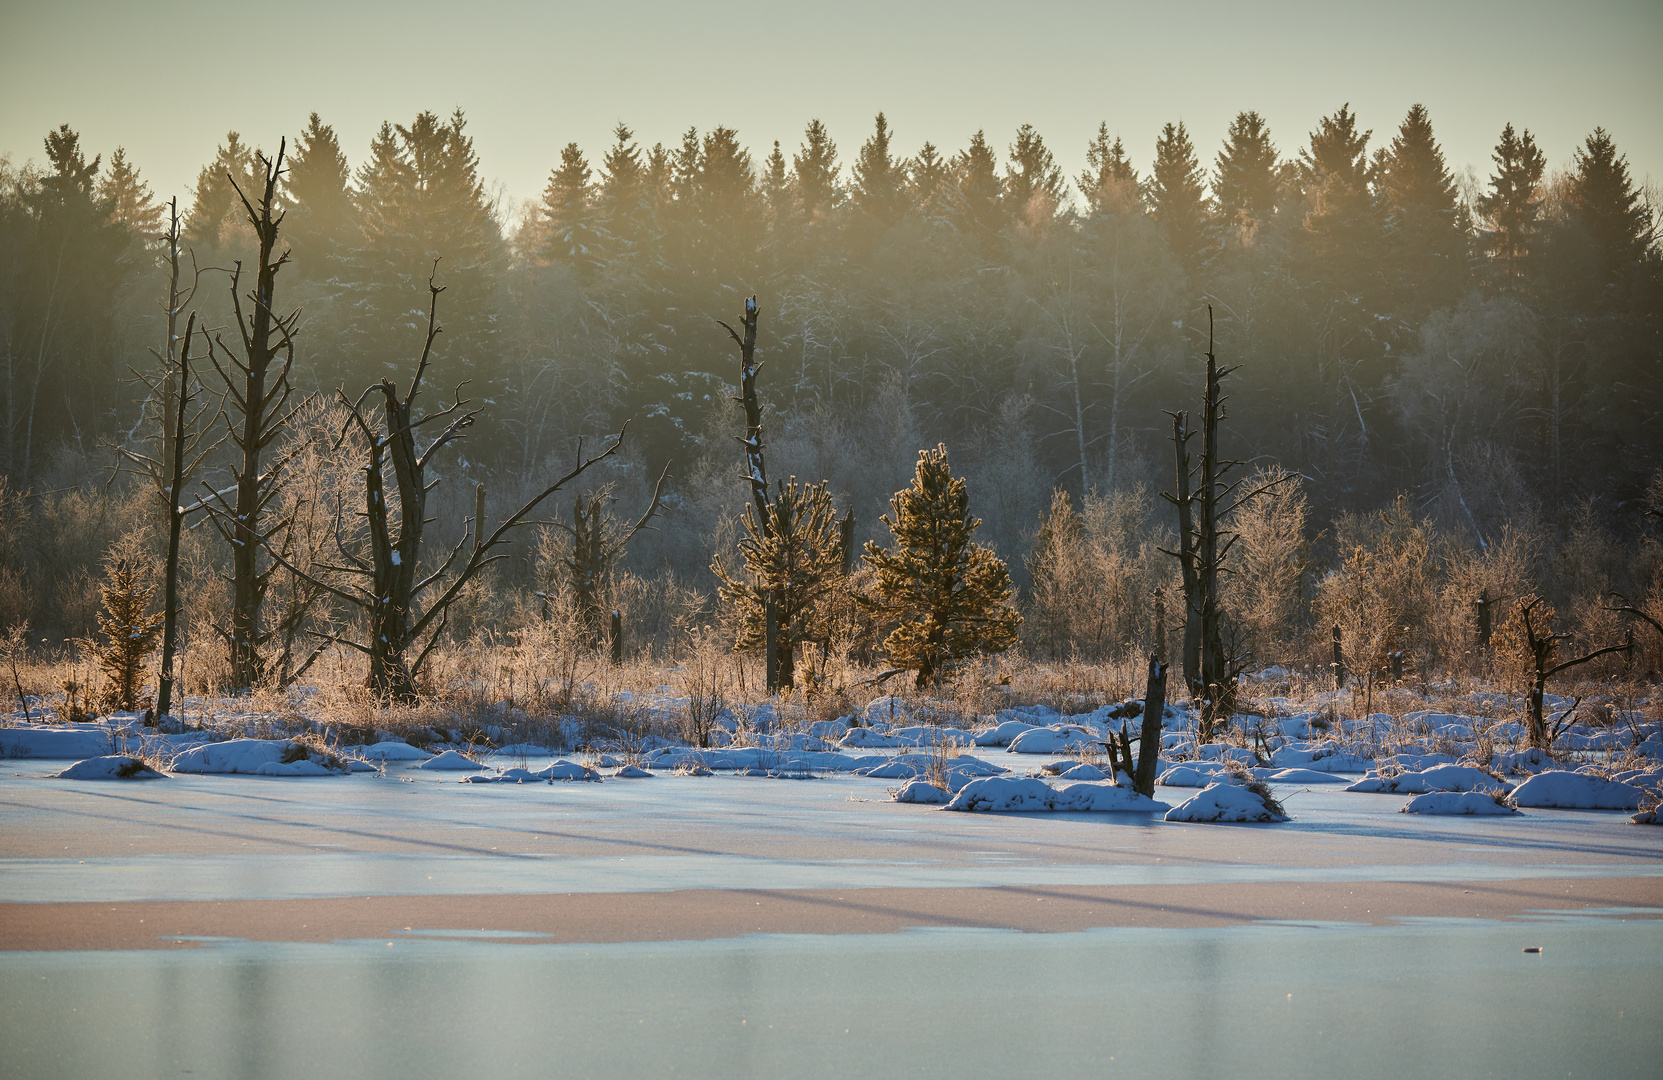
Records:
x=132, y=629
x=948, y=597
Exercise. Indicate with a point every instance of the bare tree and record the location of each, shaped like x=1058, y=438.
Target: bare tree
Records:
x=597, y=545
x=385, y=582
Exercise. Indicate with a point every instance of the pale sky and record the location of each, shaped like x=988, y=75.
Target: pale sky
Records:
x=167, y=78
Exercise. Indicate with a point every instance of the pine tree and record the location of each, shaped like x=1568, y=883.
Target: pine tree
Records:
x=878, y=189
x=131, y=204
x=1245, y=175
x=1426, y=240
x=131, y=629
x=1178, y=200
x=1109, y=183
x=950, y=597
x=928, y=177
x=1513, y=209
x=1034, y=187
x=776, y=190
x=319, y=222
x=796, y=561
x=571, y=236
x=1334, y=169
x=624, y=199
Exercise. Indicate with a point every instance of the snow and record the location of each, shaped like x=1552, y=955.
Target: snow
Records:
x=567, y=770
x=72, y=742
x=1456, y=802
x=1194, y=774
x=1299, y=776
x=1063, y=739
x=632, y=772
x=248, y=757
x=1576, y=791
x=1003, y=734
x=1321, y=757
x=1011, y=794
x=451, y=759
x=865, y=738
x=1083, y=772
x=394, y=751
x=921, y=791
x=1224, y=802
x=115, y=767
x=1437, y=778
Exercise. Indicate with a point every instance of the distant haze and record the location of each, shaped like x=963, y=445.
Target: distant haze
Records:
x=167, y=78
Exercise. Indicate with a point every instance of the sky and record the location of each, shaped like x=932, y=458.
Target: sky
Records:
x=166, y=79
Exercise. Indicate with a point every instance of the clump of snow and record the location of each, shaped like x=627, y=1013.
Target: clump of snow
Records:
x=1457, y=802
x=114, y=767
x=1083, y=771
x=921, y=791
x=1062, y=739
x=1298, y=776
x=1003, y=734
x=1576, y=791
x=1194, y=774
x=451, y=759
x=868, y=738
x=250, y=757
x=394, y=751
x=1226, y=802
x=72, y=742
x=1011, y=794
x=1437, y=778
x=568, y=770
x=633, y=772
x=1322, y=757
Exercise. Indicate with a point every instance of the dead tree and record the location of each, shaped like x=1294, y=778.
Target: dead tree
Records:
x=180, y=442
x=385, y=582
x=755, y=470
x=1543, y=645
x=258, y=388
x=597, y=545
x=1149, y=743
x=1203, y=546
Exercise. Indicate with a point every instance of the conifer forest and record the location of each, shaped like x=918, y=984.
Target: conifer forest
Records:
x=1442, y=397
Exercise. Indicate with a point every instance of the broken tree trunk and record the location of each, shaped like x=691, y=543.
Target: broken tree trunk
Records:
x=1149, y=743
x=1183, y=500
x=1542, y=647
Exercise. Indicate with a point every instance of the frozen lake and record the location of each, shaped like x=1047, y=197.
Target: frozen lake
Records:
x=408, y=926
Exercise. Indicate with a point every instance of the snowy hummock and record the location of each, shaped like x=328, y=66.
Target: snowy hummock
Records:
x=1062, y=739
x=921, y=791
x=633, y=772
x=1456, y=802
x=1576, y=791
x=73, y=742
x=1018, y=794
x=1437, y=778
x=451, y=759
x=394, y=751
x=1298, y=776
x=1194, y=774
x=1224, y=802
x=1322, y=758
x=250, y=757
x=567, y=770
x=114, y=767
x=1003, y=734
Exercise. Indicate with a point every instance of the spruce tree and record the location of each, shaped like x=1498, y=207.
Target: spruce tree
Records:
x=216, y=214
x=1334, y=171
x=131, y=205
x=878, y=188
x=1034, y=187
x=624, y=199
x=1245, y=175
x=1109, y=183
x=949, y=597
x=1512, y=210
x=1178, y=200
x=571, y=236
x=130, y=629
x=1427, y=242
x=1611, y=219
x=978, y=209
x=320, y=224
x=814, y=170
x=776, y=190
x=928, y=177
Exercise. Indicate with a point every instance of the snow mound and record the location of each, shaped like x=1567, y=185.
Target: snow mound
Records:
x=567, y=770
x=1003, y=734
x=866, y=738
x=1083, y=772
x=451, y=759
x=921, y=791
x=1196, y=774
x=1054, y=740
x=250, y=757
x=72, y=743
x=1223, y=802
x=1456, y=802
x=394, y=751
x=1576, y=791
x=1648, y=817
x=1438, y=778
x=632, y=772
x=506, y=776
x=898, y=769
x=1010, y=794
x=116, y=767
x=1320, y=758
x=1303, y=776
